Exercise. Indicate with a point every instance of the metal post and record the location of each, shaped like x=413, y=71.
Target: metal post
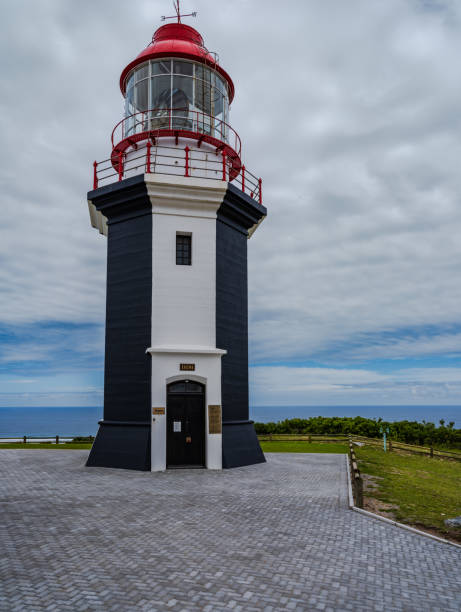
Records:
x=120, y=166
x=243, y=178
x=384, y=431
x=148, y=157
x=224, y=166
x=186, y=172
x=260, y=191
x=95, y=175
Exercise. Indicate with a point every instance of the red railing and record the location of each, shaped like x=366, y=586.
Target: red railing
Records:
x=174, y=161
x=176, y=119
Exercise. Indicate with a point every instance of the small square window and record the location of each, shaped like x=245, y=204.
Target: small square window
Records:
x=183, y=250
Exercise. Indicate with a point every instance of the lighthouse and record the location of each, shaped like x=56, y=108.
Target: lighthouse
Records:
x=177, y=206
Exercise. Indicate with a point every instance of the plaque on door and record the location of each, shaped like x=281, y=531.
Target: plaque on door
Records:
x=214, y=419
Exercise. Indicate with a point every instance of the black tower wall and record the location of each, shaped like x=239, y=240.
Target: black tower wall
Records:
x=123, y=439
x=237, y=214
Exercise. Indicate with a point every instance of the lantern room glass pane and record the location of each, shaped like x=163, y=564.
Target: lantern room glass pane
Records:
x=130, y=81
x=163, y=67
x=182, y=99
x=160, y=102
x=141, y=95
x=142, y=72
x=203, y=95
x=221, y=85
x=218, y=114
x=129, y=101
x=161, y=92
x=182, y=94
x=218, y=103
x=186, y=68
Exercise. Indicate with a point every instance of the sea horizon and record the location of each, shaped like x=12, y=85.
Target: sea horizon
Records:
x=83, y=420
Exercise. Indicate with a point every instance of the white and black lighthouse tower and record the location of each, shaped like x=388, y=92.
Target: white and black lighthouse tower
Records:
x=177, y=206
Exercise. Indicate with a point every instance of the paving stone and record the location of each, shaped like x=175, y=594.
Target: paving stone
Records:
x=269, y=537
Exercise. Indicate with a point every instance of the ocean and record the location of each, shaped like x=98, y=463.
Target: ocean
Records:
x=83, y=421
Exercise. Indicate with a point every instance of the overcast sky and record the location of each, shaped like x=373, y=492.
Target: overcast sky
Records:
x=350, y=112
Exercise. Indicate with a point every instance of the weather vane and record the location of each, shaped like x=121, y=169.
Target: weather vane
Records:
x=178, y=13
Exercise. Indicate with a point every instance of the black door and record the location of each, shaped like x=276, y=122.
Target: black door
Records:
x=185, y=420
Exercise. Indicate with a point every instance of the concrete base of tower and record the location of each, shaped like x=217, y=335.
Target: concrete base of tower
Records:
x=240, y=444
x=121, y=445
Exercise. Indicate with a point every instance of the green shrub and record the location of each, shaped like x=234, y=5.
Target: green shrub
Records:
x=411, y=432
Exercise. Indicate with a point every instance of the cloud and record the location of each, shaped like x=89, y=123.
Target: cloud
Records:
x=281, y=385
x=350, y=116
x=58, y=399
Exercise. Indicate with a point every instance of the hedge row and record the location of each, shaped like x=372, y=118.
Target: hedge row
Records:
x=411, y=432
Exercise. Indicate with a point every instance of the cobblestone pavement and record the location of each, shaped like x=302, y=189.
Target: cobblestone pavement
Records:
x=275, y=536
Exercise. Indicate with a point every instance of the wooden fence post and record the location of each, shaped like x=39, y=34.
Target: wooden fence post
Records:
x=25, y=440
x=357, y=481
x=57, y=439
x=358, y=490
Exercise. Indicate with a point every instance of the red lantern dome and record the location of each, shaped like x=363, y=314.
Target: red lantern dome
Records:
x=177, y=40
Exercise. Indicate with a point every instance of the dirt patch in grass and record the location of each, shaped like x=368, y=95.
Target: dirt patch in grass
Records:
x=379, y=507
x=374, y=504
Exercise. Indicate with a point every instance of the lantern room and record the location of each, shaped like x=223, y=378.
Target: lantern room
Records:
x=197, y=96
x=177, y=98
x=189, y=82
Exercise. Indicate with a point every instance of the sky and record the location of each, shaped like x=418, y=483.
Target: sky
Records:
x=349, y=111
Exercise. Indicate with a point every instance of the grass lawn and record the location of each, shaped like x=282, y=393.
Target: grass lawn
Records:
x=301, y=446
x=46, y=446
x=413, y=489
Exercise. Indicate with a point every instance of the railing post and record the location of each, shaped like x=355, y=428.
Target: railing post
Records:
x=95, y=175
x=120, y=166
x=260, y=182
x=224, y=166
x=148, y=157
x=243, y=178
x=186, y=170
